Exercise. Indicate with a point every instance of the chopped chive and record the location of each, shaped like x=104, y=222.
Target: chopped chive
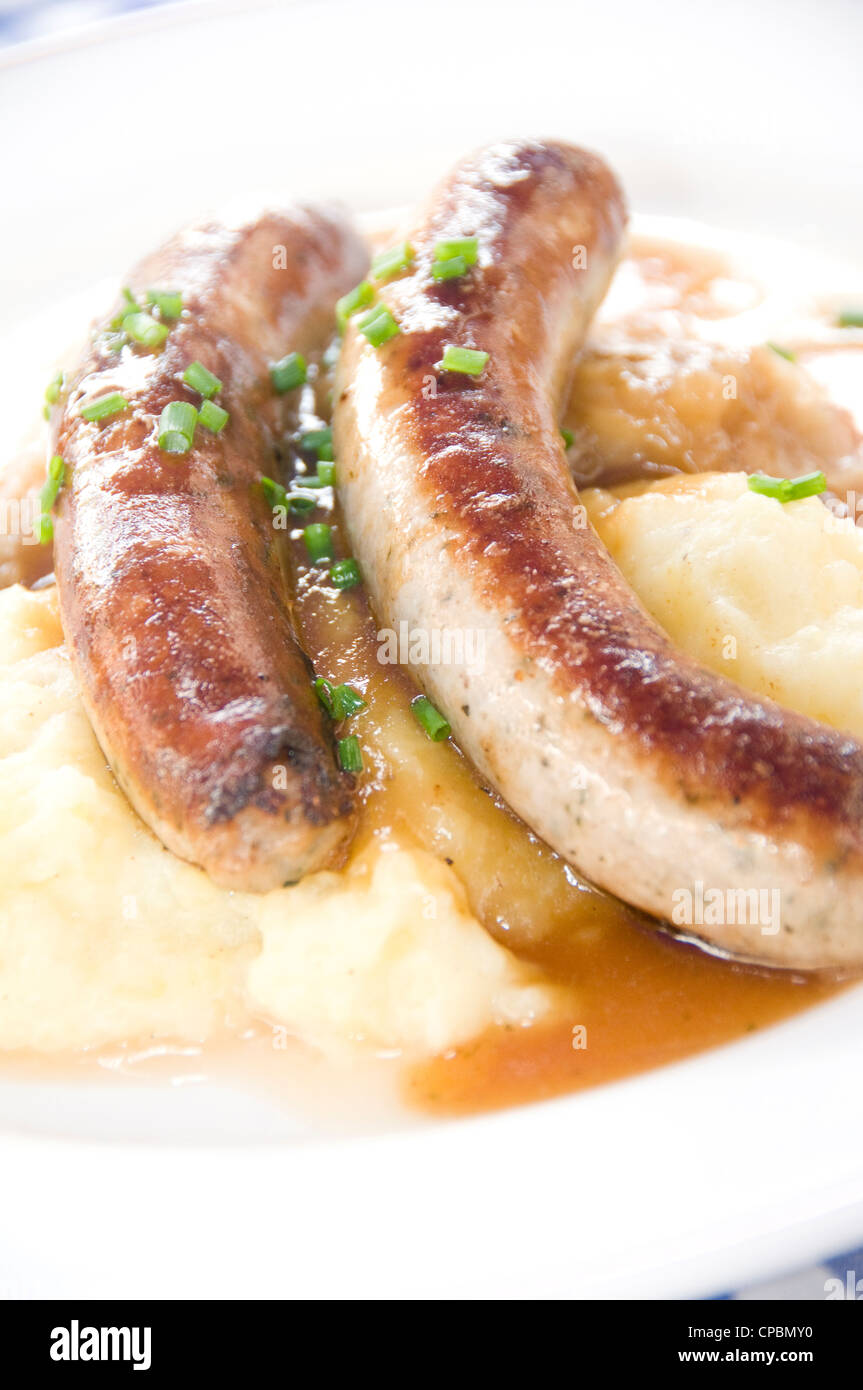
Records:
x=274, y=493
x=177, y=427
x=466, y=246
x=339, y=701
x=319, y=442
x=53, y=483
x=782, y=352
x=146, y=330
x=430, y=720
x=130, y=306
x=47, y=497
x=324, y=691
x=347, y=701
x=357, y=298
x=345, y=574
x=378, y=326
x=213, y=417
x=201, y=380
x=850, y=318
x=787, y=489
x=349, y=754
x=53, y=389
x=319, y=541
x=392, y=262
x=168, y=302
x=289, y=372
x=327, y=473
x=300, y=502
x=469, y=361
x=807, y=485
x=104, y=407
x=766, y=486
x=568, y=437
x=451, y=269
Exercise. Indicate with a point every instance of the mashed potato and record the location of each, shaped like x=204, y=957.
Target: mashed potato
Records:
x=106, y=937
x=770, y=594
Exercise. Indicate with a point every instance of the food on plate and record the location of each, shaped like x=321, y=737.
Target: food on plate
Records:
x=168, y=568
x=351, y=725
x=642, y=769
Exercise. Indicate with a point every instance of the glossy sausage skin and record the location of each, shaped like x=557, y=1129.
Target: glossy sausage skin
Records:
x=169, y=570
x=649, y=774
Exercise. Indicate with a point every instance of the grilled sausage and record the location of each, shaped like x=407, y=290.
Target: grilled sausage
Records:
x=659, y=780
x=168, y=566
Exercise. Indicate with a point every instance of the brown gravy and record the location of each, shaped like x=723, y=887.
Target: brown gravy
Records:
x=629, y=997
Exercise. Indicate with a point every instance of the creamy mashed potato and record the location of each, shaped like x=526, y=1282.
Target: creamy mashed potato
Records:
x=105, y=936
x=770, y=594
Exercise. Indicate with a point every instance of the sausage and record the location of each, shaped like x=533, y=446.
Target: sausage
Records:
x=660, y=781
x=168, y=566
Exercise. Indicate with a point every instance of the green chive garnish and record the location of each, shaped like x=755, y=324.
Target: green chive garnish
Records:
x=274, y=493
x=168, y=302
x=469, y=361
x=53, y=389
x=47, y=498
x=451, y=269
x=378, y=326
x=201, y=380
x=347, y=701
x=568, y=437
x=130, y=306
x=782, y=352
x=177, y=427
x=787, y=489
x=357, y=298
x=301, y=502
x=466, y=246
x=324, y=691
x=345, y=574
x=349, y=754
x=146, y=330
x=339, y=701
x=53, y=483
x=289, y=372
x=430, y=720
x=392, y=262
x=850, y=318
x=277, y=496
x=327, y=473
x=319, y=541
x=319, y=442
x=104, y=407
x=212, y=416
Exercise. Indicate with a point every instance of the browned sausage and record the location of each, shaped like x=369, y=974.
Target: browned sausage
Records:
x=168, y=566
x=650, y=774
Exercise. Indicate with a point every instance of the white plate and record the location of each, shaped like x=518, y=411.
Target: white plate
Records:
x=694, y=1178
